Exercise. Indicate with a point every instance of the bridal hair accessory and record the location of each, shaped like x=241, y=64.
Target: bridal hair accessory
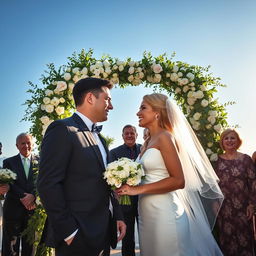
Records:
x=96, y=128
x=201, y=197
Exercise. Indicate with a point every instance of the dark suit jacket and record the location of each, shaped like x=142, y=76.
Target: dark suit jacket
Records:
x=13, y=208
x=71, y=184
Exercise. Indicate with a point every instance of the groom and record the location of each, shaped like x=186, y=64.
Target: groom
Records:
x=80, y=206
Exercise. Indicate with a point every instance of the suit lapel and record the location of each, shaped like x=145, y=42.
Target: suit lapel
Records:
x=89, y=137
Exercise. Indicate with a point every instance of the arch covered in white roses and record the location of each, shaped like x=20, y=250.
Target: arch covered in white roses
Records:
x=193, y=88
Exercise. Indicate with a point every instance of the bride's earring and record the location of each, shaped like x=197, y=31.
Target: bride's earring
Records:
x=156, y=117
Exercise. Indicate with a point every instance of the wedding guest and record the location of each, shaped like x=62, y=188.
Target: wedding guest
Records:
x=178, y=174
x=83, y=214
x=129, y=149
x=20, y=199
x=3, y=187
x=236, y=172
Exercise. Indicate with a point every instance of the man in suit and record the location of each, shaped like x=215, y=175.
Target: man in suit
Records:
x=70, y=183
x=20, y=199
x=129, y=149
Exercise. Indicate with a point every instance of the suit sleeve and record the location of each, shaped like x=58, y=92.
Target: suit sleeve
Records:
x=18, y=190
x=55, y=153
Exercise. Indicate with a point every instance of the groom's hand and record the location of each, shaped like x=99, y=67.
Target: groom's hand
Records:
x=121, y=228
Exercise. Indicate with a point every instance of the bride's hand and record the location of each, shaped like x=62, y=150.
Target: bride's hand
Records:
x=127, y=190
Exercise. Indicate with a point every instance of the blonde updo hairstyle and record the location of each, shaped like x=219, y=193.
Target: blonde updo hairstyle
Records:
x=158, y=103
x=225, y=133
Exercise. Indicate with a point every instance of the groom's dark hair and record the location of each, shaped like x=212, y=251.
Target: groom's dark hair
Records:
x=90, y=84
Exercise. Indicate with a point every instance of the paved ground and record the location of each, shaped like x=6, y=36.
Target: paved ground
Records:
x=118, y=252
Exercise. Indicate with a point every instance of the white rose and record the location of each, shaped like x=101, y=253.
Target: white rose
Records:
x=42, y=107
x=174, y=77
x=48, y=92
x=49, y=108
x=46, y=100
x=76, y=71
x=120, y=63
x=209, y=144
x=211, y=119
x=213, y=113
x=184, y=81
x=139, y=69
x=196, y=125
x=62, y=100
x=214, y=157
x=157, y=78
x=67, y=76
x=197, y=116
x=114, y=80
x=108, y=70
x=55, y=101
x=185, y=88
x=204, y=103
x=141, y=75
x=157, y=68
x=84, y=71
x=199, y=94
x=98, y=64
x=68, y=69
x=61, y=86
x=76, y=78
x=168, y=75
x=150, y=79
x=121, y=68
x=96, y=72
x=45, y=119
x=208, y=126
x=177, y=90
x=190, y=76
x=191, y=101
x=131, y=70
x=60, y=110
x=180, y=74
x=175, y=69
x=202, y=87
x=105, y=75
x=106, y=63
x=115, y=75
x=130, y=78
x=136, y=82
x=191, y=84
x=115, y=67
x=217, y=128
x=208, y=151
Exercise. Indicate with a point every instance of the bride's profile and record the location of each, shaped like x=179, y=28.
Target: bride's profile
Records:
x=179, y=198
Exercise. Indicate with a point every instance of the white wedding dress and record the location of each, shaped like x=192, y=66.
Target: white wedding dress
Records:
x=163, y=223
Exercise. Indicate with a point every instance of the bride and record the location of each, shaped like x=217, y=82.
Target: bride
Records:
x=179, y=197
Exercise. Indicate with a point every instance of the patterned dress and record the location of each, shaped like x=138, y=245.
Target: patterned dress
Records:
x=238, y=184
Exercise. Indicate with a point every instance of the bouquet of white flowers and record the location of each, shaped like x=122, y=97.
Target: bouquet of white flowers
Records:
x=123, y=171
x=6, y=176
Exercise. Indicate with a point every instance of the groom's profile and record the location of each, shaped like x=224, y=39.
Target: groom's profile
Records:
x=81, y=210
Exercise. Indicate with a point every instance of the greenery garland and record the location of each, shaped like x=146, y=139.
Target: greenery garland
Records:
x=192, y=87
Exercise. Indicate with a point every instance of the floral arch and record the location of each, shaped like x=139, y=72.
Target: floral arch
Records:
x=192, y=87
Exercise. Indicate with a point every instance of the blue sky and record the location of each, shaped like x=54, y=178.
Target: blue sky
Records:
x=217, y=33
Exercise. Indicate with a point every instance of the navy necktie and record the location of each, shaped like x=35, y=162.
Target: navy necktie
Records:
x=96, y=128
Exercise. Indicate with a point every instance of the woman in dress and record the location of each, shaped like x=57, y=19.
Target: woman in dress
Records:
x=236, y=172
x=179, y=197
